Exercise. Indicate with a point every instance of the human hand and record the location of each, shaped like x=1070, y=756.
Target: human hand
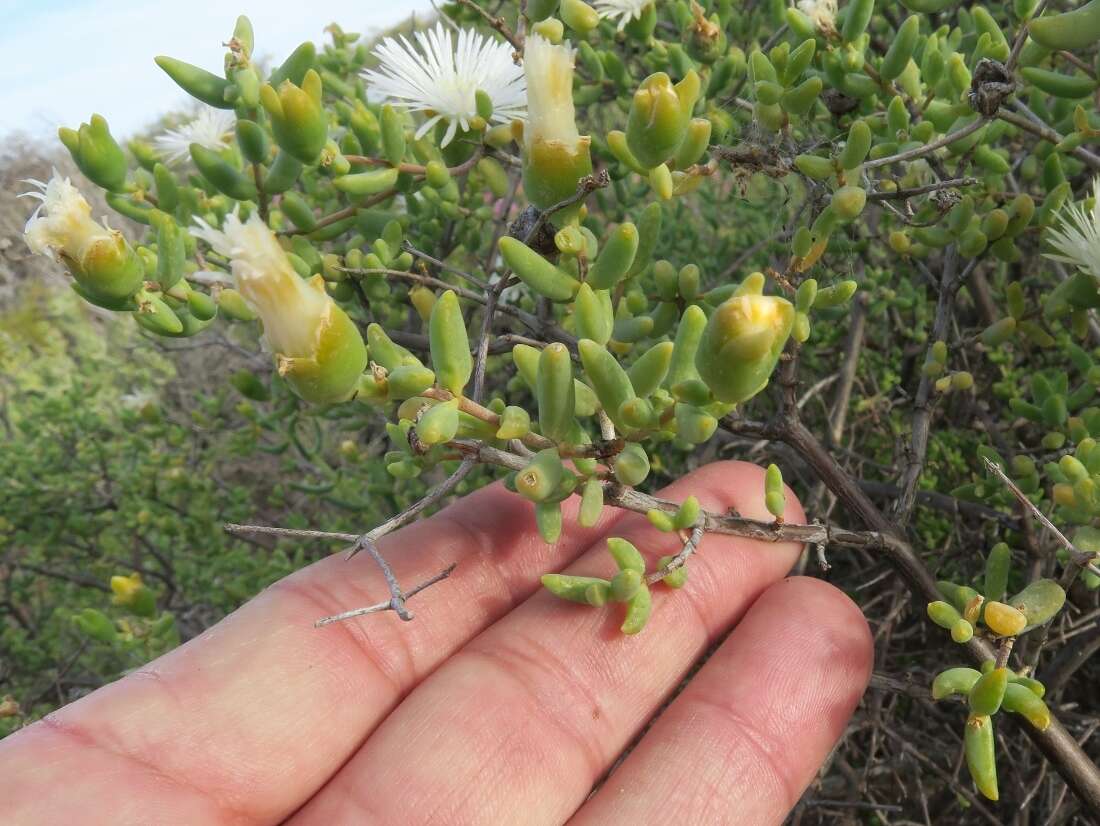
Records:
x=498, y=704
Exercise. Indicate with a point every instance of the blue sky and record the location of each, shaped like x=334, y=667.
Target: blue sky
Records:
x=65, y=59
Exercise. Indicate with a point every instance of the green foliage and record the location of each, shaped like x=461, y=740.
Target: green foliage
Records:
x=117, y=466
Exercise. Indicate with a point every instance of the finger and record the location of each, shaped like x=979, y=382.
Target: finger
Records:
x=751, y=730
x=528, y=715
x=250, y=718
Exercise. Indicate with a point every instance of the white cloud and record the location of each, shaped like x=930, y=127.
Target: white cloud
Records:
x=65, y=59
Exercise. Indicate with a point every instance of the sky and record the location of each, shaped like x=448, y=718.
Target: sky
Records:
x=65, y=59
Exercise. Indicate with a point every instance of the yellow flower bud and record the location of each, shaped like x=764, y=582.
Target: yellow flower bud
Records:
x=659, y=117
x=741, y=345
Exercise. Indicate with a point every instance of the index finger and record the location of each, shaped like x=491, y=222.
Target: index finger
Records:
x=247, y=720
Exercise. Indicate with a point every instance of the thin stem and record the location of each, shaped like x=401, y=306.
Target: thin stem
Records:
x=295, y=533
x=691, y=545
x=385, y=606
x=497, y=23
x=346, y=212
x=928, y=148
x=430, y=498
x=585, y=187
x=1040, y=130
x=901, y=194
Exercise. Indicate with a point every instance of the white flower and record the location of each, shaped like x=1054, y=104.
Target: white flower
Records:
x=442, y=81
x=623, y=10
x=138, y=400
x=211, y=129
x=292, y=309
x=1077, y=239
x=822, y=12
x=62, y=222
x=549, y=71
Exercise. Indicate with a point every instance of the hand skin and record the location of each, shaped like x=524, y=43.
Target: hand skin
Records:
x=497, y=704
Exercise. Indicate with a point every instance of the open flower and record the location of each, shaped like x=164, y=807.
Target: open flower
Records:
x=105, y=266
x=1076, y=240
x=442, y=81
x=319, y=350
x=622, y=11
x=555, y=155
x=211, y=129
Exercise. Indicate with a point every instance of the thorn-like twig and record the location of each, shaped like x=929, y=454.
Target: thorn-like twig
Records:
x=296, y=533
x=385, y=606
x=1041, y=517
x=397, y=596
x=691, y=545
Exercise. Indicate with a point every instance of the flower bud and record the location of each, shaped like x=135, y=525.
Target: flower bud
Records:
x=298, y=121
x=555, y=156
x=741, y=345
x=106, y=269
x=318, y=348
x=659, y=116
x=96, y=153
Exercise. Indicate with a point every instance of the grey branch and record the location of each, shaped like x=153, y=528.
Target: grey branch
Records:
x=385, y=606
